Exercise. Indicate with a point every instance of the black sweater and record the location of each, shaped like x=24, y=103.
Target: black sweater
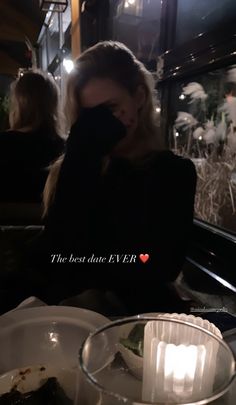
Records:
x=142, y=208
x=24, y=158
x=131, y=210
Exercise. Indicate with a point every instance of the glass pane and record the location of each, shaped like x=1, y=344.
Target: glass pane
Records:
x=53, y=36
x=196, y=17
x=66, y=17
x=43, y=54
x=204, y=129
x=136, y=23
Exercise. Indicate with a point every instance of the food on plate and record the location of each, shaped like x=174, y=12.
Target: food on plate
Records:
x=134, y=341
x=50, y=393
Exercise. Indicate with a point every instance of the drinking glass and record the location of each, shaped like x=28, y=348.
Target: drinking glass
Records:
x=158, y=360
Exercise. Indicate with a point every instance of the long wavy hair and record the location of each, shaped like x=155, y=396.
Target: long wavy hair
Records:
x=113, y=60
x=109, y=60
x=34, y=102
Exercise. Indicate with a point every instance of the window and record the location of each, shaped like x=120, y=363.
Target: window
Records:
x=204, y=129
x=198, y=90
x=53, y=36
x=93, y=22
x=201, y=16
x=136, y=23
x=199, y=100
x=43, y=53
x=66, y=18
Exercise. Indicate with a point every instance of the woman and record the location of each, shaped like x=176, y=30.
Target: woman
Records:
x=116, y=191
x=33, y=141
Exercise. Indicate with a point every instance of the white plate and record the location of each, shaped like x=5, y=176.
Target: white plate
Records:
x=45, y=335
x=31, y=378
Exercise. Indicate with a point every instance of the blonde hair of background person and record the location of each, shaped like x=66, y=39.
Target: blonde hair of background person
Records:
x=114, y=61
x=35, y=103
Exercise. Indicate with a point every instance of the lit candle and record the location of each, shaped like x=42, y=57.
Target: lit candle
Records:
x=176, y=371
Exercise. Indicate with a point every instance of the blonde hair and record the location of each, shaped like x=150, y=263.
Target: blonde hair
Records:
x=112, y=60
x=109, y=60
x=34, y=102
x=51, y=184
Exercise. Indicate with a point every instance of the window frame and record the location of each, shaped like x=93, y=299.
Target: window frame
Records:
x=211, y=246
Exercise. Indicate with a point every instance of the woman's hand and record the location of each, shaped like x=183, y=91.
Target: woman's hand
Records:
x=96, y=131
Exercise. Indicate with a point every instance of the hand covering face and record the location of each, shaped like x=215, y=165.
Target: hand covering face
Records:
x=92, y=137
x=96, y=131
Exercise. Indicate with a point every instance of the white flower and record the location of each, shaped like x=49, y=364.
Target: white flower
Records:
x=221, y=129
x=229, y=108
x=209, y=124
x=185, y=120
x=192, y=87
x=199, y=132
x=210, y=133
x=195, y=91
x=210, y=136
x=224, y=109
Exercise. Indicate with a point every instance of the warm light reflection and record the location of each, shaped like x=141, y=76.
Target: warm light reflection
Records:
x=178, y=364
x=180, y=361
x=68, y=65
x=53, y=338
x=184, y=367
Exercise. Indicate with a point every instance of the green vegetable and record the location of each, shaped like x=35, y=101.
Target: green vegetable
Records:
x=134, y=341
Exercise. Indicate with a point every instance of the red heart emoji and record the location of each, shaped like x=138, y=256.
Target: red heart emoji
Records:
x=144, y=257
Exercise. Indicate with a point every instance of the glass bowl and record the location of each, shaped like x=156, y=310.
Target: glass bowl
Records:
x=157, y=360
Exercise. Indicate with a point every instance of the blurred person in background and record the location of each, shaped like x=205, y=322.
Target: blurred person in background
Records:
x=33, y=140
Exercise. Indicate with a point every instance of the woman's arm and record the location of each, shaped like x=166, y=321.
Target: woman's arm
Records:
x=90, y=139
x=172, y=226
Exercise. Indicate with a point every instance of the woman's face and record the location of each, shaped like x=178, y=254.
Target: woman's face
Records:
x=123, y=106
